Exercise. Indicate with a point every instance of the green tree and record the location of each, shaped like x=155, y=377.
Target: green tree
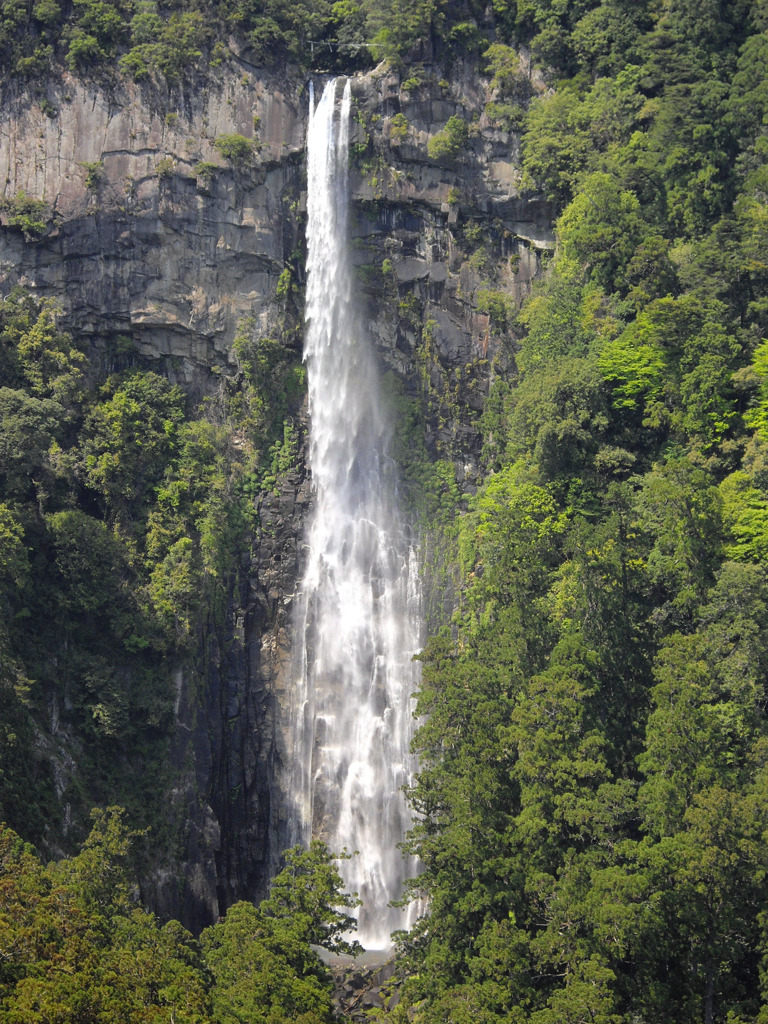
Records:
x=679, y=509
x=81, y=950
x=609, y=37
x=568, y=132
x=510, y=546
x=586, y=995
x=308, y=894
x=236, y=148
x=745, y=504
x=398, y=26
x=464, y=795
x=87, y=561
x=557, y=417
x=601, y=229
x=28, y=429
x=129, y=438
x=707, y=700
x=263, y=973
x=556, y=146
x=263, y=965
x=503, y=65
x=14, y=558
x=99, y=28
x=450, y=142
x=561, y=757
x=674, y=363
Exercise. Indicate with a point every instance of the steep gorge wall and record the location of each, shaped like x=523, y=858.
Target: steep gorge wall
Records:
x=144, y=246
x=139, y=243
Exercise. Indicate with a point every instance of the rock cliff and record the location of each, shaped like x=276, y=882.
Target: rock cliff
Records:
x=153, y=236
x=139, y=242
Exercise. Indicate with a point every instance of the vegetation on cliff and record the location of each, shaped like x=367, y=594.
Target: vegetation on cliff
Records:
x=152, y=37
x=144, y=38
x=126, y=513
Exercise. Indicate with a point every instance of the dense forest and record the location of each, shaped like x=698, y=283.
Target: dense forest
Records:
x=592, y=788
x=125, y=506
x=76, y=947
x=592, y=798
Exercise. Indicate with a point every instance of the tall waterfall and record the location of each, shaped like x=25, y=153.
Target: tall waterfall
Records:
x=358, y=610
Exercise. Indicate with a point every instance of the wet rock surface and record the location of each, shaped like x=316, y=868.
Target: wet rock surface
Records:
x=368, y=982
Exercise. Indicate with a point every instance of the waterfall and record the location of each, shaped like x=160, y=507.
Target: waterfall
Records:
x=357, y=618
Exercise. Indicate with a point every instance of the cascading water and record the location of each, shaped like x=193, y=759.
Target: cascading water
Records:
x=357, y=618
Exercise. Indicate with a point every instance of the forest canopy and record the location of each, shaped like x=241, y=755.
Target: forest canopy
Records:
x=144, y=38
x=592, y=783
x=78, y=947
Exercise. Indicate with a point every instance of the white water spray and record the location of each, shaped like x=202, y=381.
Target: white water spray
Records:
x=358, y=615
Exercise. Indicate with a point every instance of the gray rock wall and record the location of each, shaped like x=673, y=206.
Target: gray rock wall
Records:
x=151, y=249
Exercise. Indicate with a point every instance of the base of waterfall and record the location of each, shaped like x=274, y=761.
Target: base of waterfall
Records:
x=362, y=983
x=369, y=958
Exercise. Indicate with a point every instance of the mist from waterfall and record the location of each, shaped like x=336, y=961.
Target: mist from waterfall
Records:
x=358, y=614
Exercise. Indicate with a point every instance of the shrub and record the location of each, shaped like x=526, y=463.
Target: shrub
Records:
x=165, y=167
x=449, y=142
x=184, y=35
x=503, y=64
x=235, y=148
x=83, y=50
x=398, y=129
x=509, y=116
x=37, y=63
x=138, y=61
x=497, y=305
x=94, y=174
x=30, y=215
x=284, y=283
x=204, y=172
x=170, y=47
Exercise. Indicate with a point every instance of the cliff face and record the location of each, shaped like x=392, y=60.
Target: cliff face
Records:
x=447, y=235
x=154, y=236
x=139, y=243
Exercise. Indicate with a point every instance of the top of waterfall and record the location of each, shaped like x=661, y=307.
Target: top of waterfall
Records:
x=335, y=80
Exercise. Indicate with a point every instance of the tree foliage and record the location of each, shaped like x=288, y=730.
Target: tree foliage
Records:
x=77, y=946
x=592, y=731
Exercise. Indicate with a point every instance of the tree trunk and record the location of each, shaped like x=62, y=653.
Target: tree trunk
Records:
x=709, y=991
